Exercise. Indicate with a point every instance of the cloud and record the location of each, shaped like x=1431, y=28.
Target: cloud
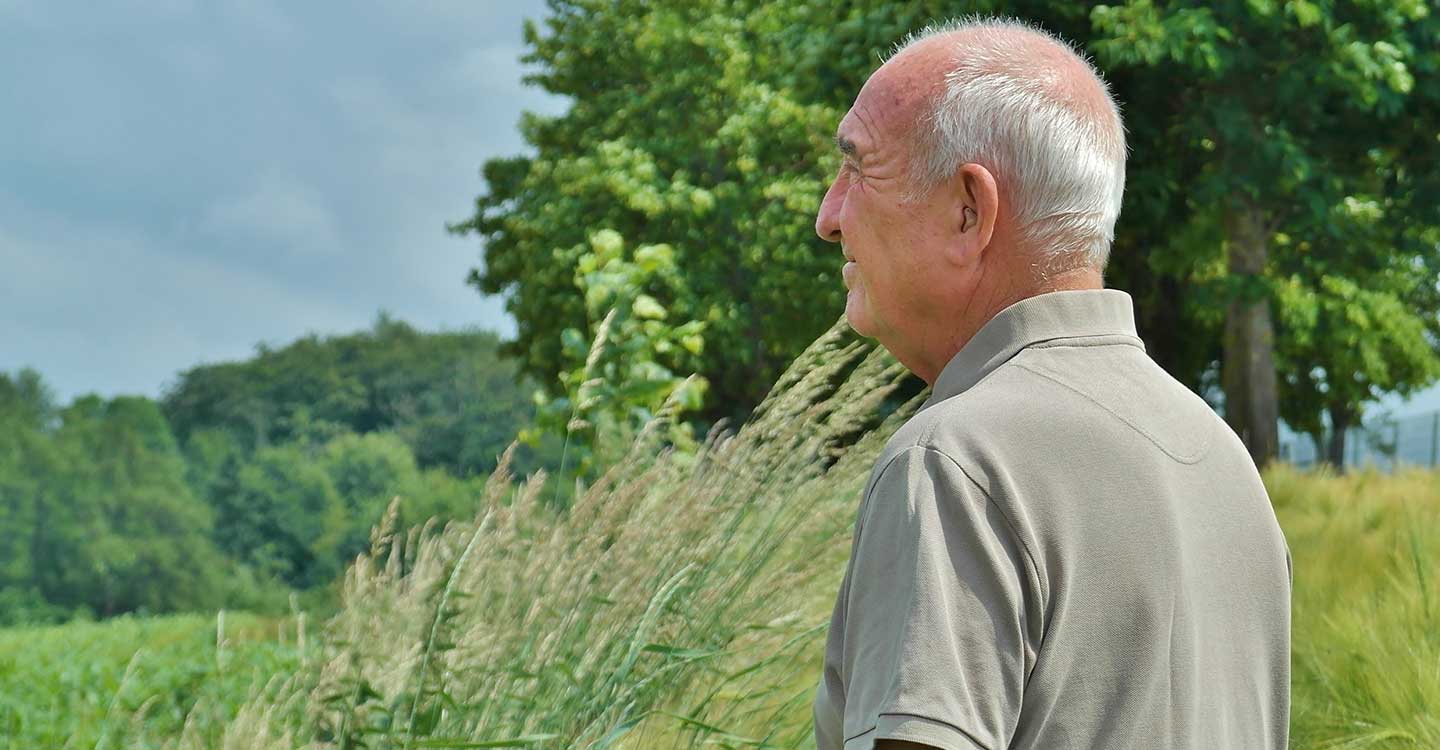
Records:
x=280, y=211
x=183, y=180
x=100, y=301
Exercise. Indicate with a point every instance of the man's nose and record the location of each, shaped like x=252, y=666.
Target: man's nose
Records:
x=827, y=222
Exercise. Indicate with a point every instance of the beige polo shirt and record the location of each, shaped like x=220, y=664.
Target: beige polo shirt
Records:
x=1064, y=548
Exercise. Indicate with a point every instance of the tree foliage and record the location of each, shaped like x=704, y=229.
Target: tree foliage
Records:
x=623, y=371
x=454, y=401
x=1265, y=136
x=97, y=514
x=706, y=127
x=1295, y=120
x=288, y=460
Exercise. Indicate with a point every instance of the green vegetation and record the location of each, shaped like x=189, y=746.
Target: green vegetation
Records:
x=1366, y=620
x=448, y=396
x=1279, y=208
x=249, y=479
x=617, y=383
x=585, y=627
x=137, y=682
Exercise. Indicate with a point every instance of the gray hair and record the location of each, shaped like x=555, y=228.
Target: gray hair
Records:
x=1059, y=160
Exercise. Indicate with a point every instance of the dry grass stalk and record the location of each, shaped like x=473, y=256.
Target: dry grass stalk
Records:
x=626, y=618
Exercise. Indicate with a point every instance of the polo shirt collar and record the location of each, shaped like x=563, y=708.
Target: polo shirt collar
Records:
x=1072, y=313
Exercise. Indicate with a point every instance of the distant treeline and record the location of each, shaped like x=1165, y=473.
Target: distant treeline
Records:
x=246, y=480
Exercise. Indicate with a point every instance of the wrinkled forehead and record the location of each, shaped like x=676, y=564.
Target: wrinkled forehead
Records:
x=890, y=103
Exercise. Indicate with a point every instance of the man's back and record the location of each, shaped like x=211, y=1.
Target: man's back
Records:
x=1143, y=599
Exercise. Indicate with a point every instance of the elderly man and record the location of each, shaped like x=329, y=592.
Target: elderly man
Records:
x=1065, y=547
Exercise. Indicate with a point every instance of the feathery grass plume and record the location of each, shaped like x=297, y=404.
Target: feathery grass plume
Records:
x=669, y=603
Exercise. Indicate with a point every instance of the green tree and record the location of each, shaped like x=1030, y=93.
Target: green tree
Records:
x=450, y=396
x=1280, y=111
x=27, y=458
x=280, y=512
x=628, y=367
x=684, y=132
x=122, y=531
x=367, y=471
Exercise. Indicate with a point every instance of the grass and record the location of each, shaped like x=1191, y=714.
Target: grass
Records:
x=684, y=604
x=1366, y=620
x=134, y=682
x=672, y=602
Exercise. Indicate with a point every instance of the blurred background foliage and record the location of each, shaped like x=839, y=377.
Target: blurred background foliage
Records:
x=247, y=480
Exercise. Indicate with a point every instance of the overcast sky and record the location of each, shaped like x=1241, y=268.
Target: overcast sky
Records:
x=182, y=180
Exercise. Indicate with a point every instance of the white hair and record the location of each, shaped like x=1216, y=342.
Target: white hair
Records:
x=1058, y=158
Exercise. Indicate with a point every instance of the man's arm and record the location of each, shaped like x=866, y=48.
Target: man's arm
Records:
x=942, y=613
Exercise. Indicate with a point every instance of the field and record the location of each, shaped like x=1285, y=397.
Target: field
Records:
x=1367, y=642
x=1366, y=620
x=134, y=682
x=680, y=602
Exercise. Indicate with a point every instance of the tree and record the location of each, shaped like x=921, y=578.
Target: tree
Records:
x=27, y=459
x=704, y=126
x=1276, y=105
x=279, y=511
x=1356, y=325
x=623, y=371
x=449, y=396
x=367, y=471
x=120, y=530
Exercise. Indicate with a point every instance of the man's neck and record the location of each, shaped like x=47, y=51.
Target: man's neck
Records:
x=1070, y=279
x=1074, y=278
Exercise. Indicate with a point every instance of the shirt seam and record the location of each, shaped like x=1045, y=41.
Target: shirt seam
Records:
x=1034, y=569
x=943, y=723
x=1187, y=458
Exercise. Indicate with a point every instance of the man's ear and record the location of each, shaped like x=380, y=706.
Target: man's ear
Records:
x=977, y=203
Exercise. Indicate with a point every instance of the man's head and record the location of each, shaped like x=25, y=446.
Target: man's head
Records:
x=984, y=163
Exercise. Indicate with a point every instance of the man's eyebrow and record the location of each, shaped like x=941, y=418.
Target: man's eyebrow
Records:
x=846, y=146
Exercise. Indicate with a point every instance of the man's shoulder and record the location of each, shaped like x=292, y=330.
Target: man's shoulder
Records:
x=1049, y=405
x=1007, y=399
x=966, y=429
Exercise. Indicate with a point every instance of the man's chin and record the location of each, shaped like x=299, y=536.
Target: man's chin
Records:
x=859, y=321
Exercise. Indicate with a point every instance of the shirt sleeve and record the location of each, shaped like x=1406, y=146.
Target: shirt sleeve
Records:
x=941, y=612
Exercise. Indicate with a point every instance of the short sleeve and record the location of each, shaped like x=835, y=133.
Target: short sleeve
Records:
x=940, y=613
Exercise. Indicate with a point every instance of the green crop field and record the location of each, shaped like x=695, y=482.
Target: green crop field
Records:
x=1366, y=613
x=135, y=682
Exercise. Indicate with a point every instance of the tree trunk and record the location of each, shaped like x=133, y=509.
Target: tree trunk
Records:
x=1248, y=367
x=1340, y=421
x=1318, y=440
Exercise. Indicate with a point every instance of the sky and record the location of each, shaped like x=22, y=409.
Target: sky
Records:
x=180, y=181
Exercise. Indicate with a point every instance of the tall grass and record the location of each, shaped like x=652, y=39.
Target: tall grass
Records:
x=671, y=602
x=684, y=604
x=1366, y=612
